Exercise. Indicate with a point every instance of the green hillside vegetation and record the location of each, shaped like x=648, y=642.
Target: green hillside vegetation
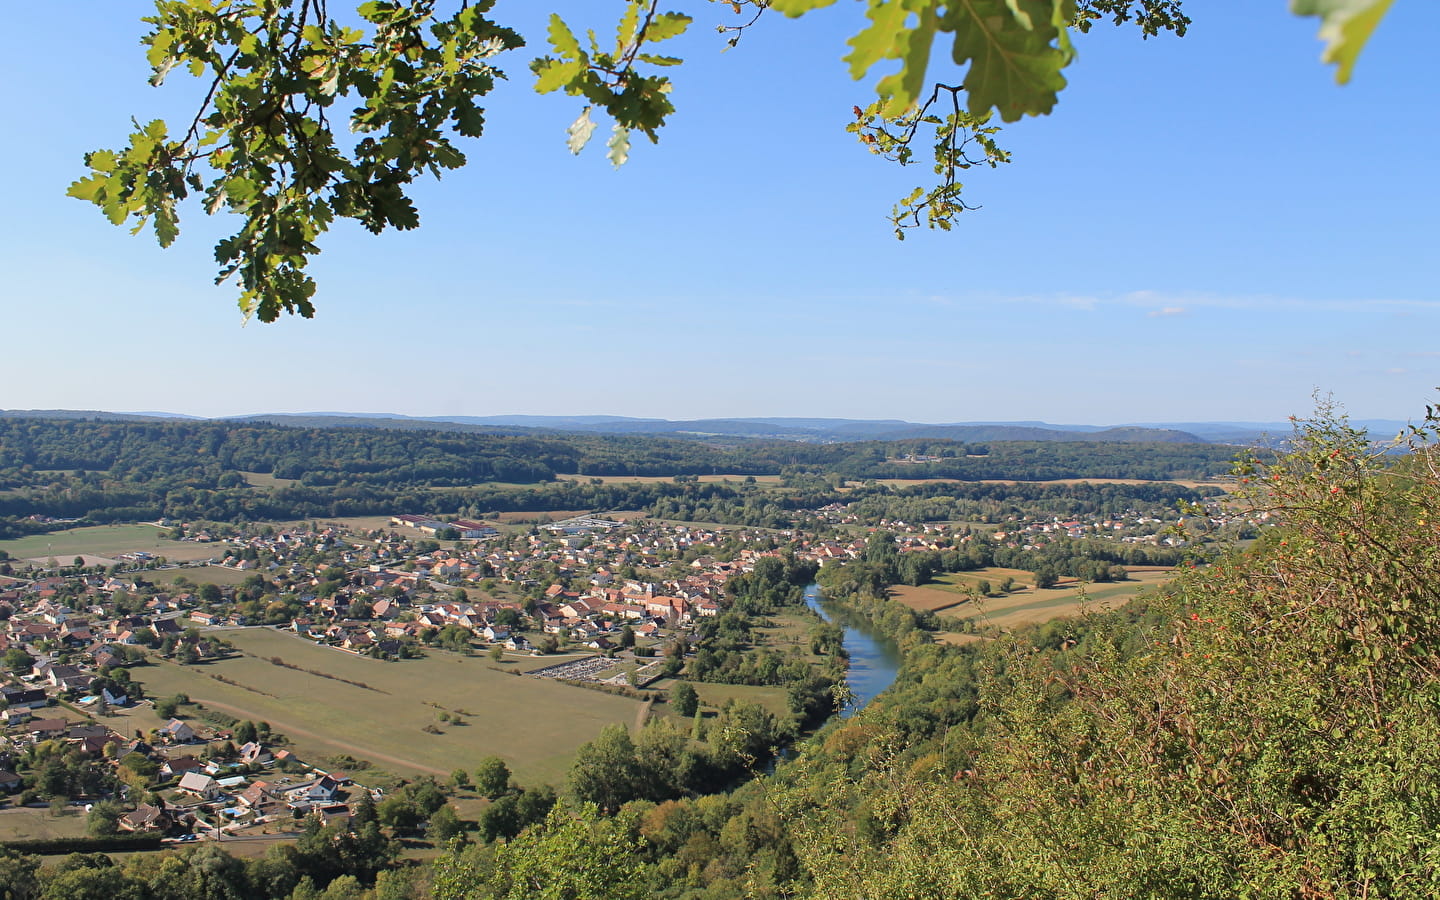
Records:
x=1264, y=726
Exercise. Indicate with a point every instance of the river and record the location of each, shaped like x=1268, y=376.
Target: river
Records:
x=874, y=660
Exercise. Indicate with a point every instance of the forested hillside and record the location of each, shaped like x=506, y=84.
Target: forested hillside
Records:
x=129, y=471
x=1269, y=728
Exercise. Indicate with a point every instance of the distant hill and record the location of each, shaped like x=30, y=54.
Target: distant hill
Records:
x=91, y=415
x=809, y=430
x=838, y=430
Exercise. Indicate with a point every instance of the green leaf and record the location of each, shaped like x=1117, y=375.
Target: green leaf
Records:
x=629, y=24
x=563, y=40
x=553, y=74
x=1345, y=26
x=659, y=60
x=888, y=37
x=618, y=146
x=1014, y=69
x=578, y=134
x=666, y=26
x=794, y=8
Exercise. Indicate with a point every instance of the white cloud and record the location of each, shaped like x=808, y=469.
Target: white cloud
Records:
x=1166, y=311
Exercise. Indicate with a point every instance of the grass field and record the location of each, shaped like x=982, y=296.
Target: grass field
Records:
x=1029, y=606
x=771, y=697
x=106, y=541
x=361, y=523
x=264, y=480
x=535, y=725
x=23, y=823
x=216, y=575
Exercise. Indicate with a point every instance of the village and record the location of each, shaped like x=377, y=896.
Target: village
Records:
x=614, y=602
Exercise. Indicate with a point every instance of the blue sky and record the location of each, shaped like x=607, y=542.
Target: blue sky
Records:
x=1207, y=228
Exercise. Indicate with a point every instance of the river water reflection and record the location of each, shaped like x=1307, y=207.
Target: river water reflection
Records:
x=874, y=660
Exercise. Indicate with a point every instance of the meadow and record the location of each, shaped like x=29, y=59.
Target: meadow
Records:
x=535, y=725
x=105, y=541
x=216, y=575
x=26, y=824
x=947, y=596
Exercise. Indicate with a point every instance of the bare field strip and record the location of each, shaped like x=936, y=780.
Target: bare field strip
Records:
x=1030, y=606
x=660, y=479
x=911, y=482
x=535, y=725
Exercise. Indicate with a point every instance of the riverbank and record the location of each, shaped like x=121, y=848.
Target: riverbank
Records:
x=874, y=659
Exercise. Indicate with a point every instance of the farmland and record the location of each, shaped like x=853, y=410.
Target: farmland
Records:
x=107, y=541
x=948, y=596
x=535, y=725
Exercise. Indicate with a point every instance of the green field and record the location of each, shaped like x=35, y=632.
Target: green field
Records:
x=19, y=824
x=946, y=597
x=773, y=698
x=535, y=725
x=104, y=540
x=216, y=575
x=266, y=480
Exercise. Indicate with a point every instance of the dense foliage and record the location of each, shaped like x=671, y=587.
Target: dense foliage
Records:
x=1268, y=728
x=129, y=471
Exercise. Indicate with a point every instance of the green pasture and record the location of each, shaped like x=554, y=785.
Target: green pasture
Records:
x=102, y=540
x=266, y=480
x=535, y=725
x=23, y=823
x=1028, y=606
x=215, y=575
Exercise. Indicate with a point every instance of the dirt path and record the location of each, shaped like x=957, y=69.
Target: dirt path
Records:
x=353, y=749
x=642, y=715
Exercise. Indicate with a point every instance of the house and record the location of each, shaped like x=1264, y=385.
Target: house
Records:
x=256, y=794
x=177, y=732
x=166, y=627
x=10, y=783
x=146, y=818
x=255, y=754
x=322, y=790
x=200, y=784
x=81, y=732
x=25, y=698
x=44, y=729
x=181, y=766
